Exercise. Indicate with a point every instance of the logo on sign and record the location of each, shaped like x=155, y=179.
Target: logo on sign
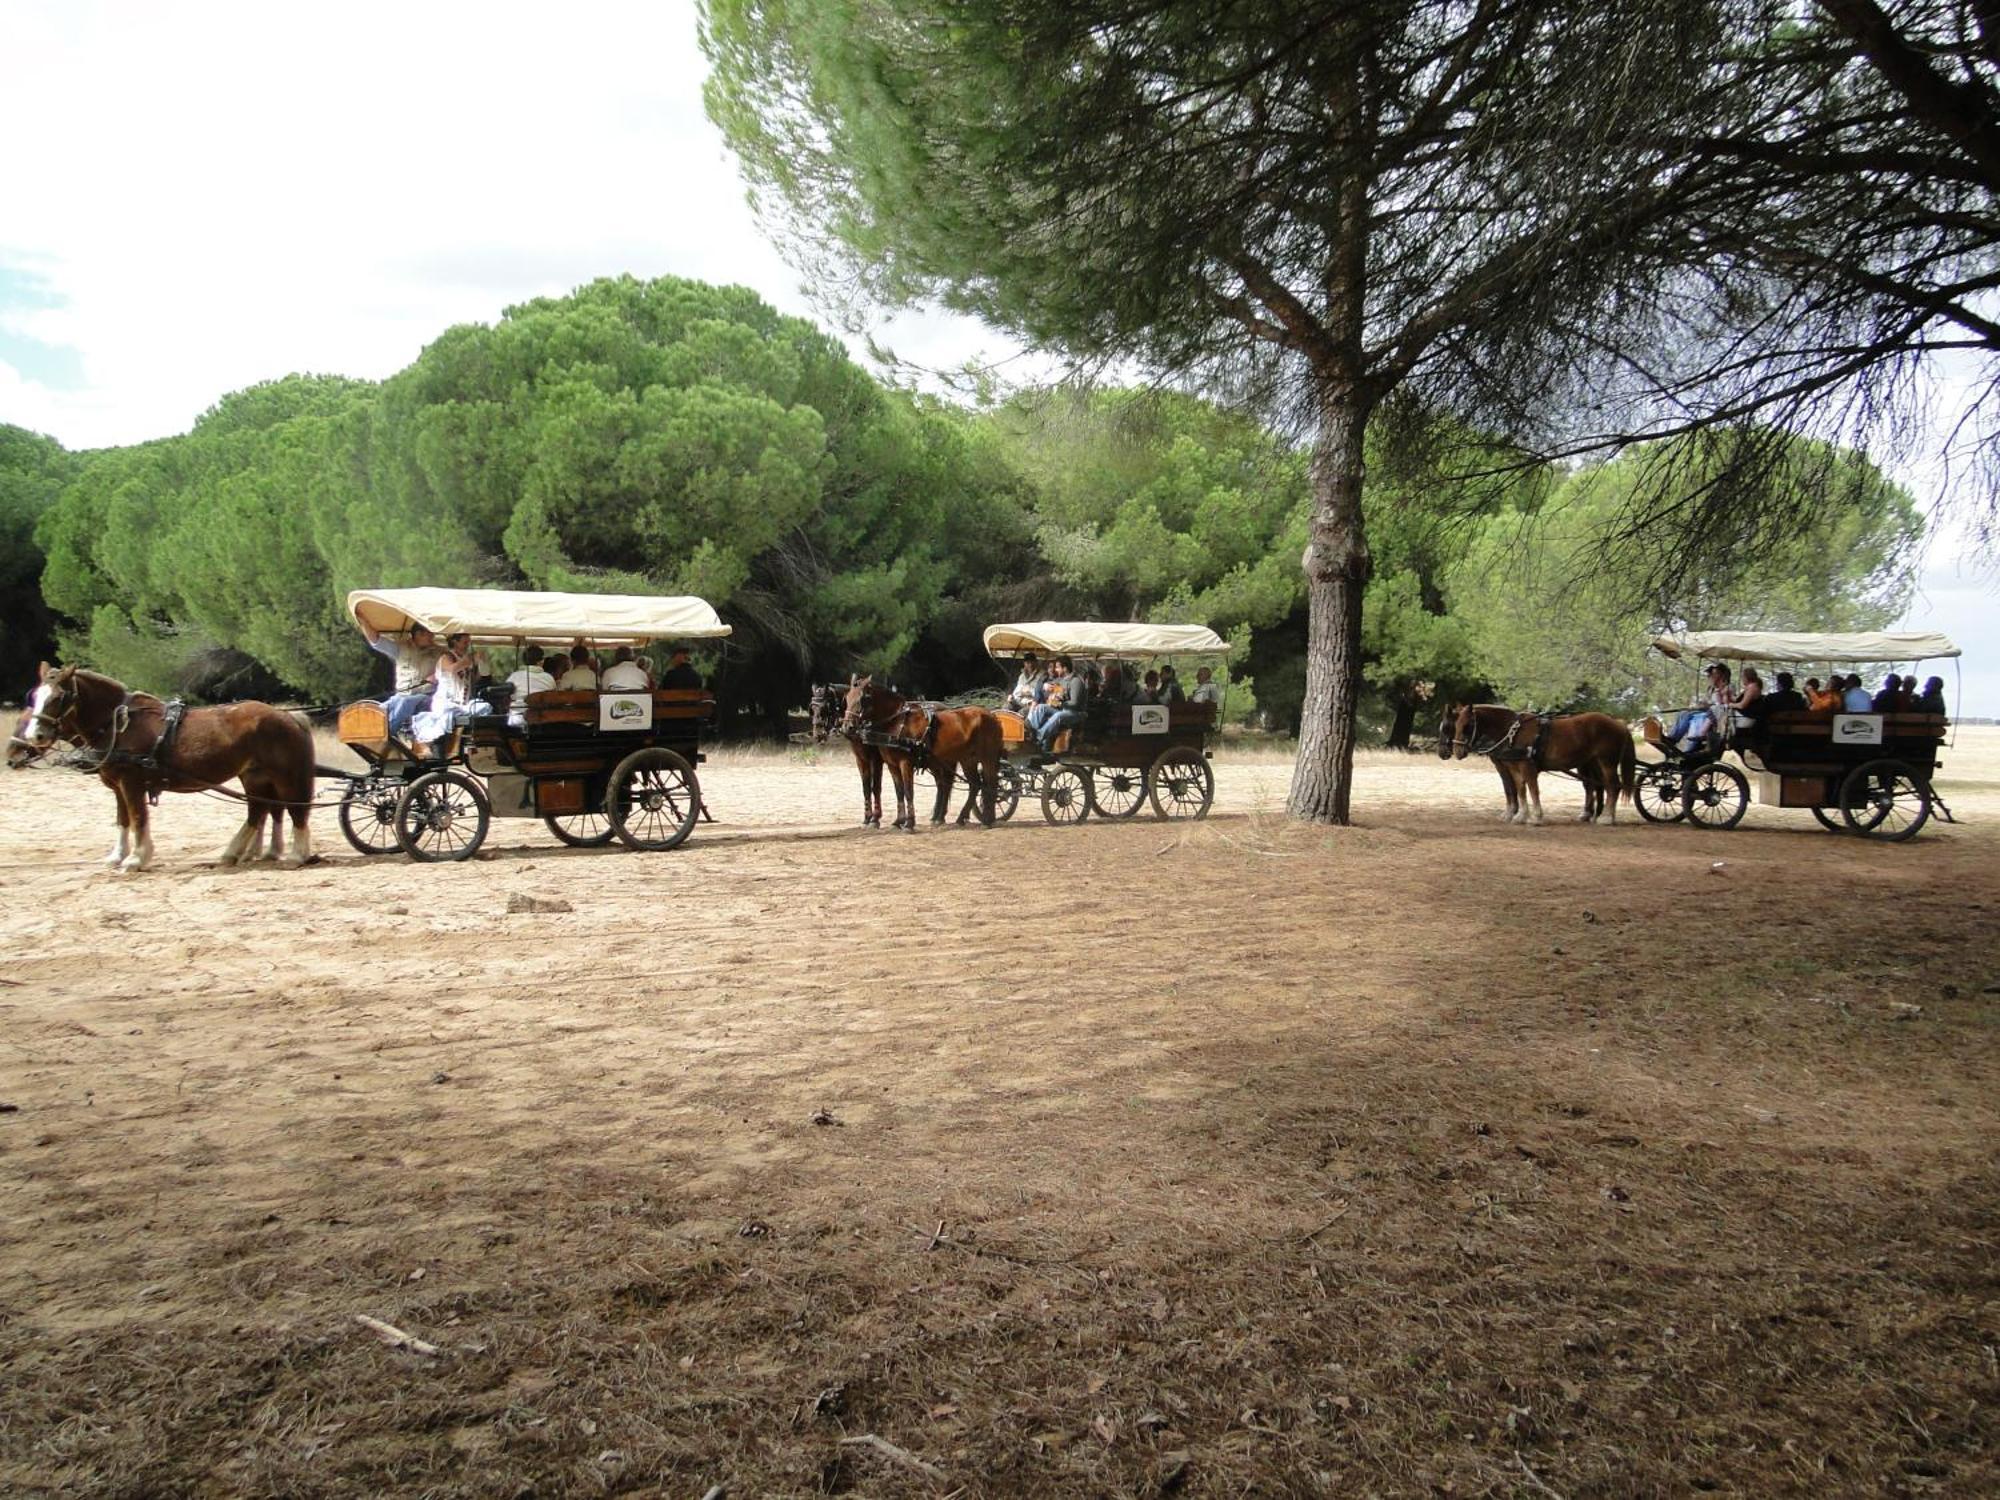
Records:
x=625, y=711
x=1857, y=729
x=1149, y=718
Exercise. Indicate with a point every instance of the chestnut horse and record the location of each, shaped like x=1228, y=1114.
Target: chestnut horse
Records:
x=828, y=704
x=1596, y=747
x=268, y=750
x=965, y=740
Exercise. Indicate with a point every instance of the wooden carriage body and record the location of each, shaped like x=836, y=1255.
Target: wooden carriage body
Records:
x=1122, y=754
x=1861, y=772
x=592, y=764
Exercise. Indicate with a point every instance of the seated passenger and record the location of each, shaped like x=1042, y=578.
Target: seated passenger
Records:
x=1854, y=697
x=1822, y=700
x=1027, y=690
x=1931, y=700
x=1701, y=716
x=416, y=665
x=1170, y=684
x=680, y=674
x=1149, y=689
x=1206, y=688
x=1117, y=688
x=625, y=673
x=452, y=704
x=530, y=679
x=1890, y=699
x=1784, y=699
x=579, y=678
x=1067, y=694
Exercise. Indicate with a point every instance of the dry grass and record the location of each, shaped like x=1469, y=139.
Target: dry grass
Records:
x=1425, y=1157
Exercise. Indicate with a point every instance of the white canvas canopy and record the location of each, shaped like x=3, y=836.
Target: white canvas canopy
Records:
x=490, y=616
x=1096, y=638
x=1807, y=647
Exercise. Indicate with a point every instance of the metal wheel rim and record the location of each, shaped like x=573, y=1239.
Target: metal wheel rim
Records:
x=441, y=818
x=1884, y=800
x=1007, y=794
x=1658, y=797
x=1117, y=792
x=584, y=830
x=1065, y=796
x=1182, y=785
x=1830, y=821
x=1715, y=798
x=653, y=800
x=369, y=806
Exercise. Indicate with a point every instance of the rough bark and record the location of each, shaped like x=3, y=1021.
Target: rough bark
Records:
x=1336, y=567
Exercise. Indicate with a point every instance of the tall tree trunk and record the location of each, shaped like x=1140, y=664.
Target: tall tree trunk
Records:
x=1336, y=568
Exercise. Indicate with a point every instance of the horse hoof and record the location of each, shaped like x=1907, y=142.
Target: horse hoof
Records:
x=130, y=867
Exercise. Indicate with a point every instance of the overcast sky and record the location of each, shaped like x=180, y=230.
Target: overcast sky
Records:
x=198, y=197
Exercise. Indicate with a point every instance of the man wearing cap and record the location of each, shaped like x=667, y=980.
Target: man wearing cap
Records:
x=416, y=662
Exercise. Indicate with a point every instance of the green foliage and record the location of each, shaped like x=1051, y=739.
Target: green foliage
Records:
x=1561, y=604
x=33, y=470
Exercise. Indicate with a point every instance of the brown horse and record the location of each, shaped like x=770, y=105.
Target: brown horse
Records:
x=268, y=750
x=962, y=740
x=1597, y=747
x=828, y=704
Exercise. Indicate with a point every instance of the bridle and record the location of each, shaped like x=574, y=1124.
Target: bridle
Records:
x=51, y=720
x=1455, y=748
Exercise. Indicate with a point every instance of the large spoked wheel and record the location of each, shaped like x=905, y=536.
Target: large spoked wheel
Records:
x=442, y=815
x=1065, y=795
x=1117, y=791
x=1182, y=784
x=368, y=814
x=1716, y=796
x=1885, y=799
x=1830, y=821
x=1007, y=794
x=653, y=799
x=1656, y=791
x=587, y=830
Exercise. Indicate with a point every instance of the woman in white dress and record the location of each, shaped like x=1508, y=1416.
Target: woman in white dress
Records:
x=452, y=703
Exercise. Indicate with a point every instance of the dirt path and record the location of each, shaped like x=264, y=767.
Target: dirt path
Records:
x=1428, y=1156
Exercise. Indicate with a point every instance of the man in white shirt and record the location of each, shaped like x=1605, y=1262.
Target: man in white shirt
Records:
x=416, y=664
x=624, y=673
x=530, y=679
x=579, y=678
x=1206, y=688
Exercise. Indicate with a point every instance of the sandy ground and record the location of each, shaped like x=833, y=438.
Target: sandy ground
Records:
x=1429, y=1156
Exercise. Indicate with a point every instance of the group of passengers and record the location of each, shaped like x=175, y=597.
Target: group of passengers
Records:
x=1053, y=696
x=440, y=688
x=1720, y=697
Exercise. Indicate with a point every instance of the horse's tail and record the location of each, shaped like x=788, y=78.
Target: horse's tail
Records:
x=1628, y=765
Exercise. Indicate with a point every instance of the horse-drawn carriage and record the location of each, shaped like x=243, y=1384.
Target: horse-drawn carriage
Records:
x=592, y=765
x=1865, y=773
x=1122, y=754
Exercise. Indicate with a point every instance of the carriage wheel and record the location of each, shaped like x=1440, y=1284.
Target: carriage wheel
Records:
x=368, y=813
x=1656, y=792
x=442, y=815
x=1007, y=794
x=654, y=799
x=1716, y=796
x=1885, y=799
x=1830, y=821
x=1117, y=792
x=1182, y=783
x=586, y=830
x=1065, y=795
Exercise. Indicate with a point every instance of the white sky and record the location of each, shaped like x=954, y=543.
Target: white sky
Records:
x=198, y=197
